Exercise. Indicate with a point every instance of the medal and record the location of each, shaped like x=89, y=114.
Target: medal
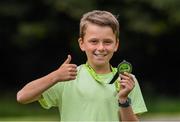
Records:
x=124, y=66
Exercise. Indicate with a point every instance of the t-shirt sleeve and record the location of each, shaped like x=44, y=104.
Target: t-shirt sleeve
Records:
x=52, y=97
x=137, y=101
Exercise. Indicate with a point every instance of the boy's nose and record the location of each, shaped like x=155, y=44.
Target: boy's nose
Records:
x=100, y=46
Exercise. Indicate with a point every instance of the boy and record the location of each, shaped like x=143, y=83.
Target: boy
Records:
x=83, y=93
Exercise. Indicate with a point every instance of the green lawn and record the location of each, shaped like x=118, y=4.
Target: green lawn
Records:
x=31, y=118
x=160, y=108
x=50, y=118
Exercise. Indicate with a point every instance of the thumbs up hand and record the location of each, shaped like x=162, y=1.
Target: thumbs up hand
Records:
x=66, y=71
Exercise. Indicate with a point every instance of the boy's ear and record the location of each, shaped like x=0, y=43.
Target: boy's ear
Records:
x=117, y=45
x=80, y=41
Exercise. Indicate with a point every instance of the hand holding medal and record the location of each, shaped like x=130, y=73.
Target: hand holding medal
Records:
x=126, y=80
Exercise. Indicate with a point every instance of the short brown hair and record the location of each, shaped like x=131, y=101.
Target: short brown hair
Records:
x=102, y=18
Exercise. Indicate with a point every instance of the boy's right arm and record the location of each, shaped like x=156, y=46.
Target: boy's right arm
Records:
x=34, y=89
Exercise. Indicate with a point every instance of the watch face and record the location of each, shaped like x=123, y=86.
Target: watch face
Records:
x=124, y=66
x=126, y=104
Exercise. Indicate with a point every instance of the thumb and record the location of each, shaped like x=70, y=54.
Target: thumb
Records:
x=68, y=60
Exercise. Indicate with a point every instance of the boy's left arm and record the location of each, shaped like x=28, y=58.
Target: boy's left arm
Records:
x=127, y=83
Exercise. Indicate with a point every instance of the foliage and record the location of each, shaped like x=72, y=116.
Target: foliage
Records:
x=34, y=33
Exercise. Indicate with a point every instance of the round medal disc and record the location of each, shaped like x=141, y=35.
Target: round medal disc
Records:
x=124, y=66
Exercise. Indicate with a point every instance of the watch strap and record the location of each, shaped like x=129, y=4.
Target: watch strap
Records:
x=127, y=103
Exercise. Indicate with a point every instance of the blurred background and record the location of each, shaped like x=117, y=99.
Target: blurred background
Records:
x=37, y=36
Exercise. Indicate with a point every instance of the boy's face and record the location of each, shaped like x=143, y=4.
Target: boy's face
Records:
x=99, y=44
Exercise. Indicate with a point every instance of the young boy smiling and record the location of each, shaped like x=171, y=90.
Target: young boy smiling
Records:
x=83, y=93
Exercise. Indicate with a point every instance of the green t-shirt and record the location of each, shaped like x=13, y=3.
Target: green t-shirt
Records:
x=84, y=99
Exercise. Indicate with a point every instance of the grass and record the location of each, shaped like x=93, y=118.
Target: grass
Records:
x=162, y=108
x=31, y=118
x=165, y=105
x=159, y=108
x=11, y=110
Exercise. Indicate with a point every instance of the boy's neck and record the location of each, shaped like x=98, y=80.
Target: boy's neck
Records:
x=101, y=69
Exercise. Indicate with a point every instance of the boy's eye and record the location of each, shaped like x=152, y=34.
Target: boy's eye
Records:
x=108, y=42
x=93, y=41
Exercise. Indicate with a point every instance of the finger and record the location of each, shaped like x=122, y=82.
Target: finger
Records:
x=122, y=76
x=130, y=76
x=68, y=60
x=72, y=69
x=127, y=77
x=72, y=65
x=128, y=83
x=73, y=74
x=72, y=78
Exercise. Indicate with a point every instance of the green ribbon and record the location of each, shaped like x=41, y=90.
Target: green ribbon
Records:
x=98, y=79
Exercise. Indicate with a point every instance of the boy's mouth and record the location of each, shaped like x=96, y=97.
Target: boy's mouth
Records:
x=100, y=55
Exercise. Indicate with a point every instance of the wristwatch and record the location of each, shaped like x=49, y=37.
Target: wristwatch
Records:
x=127, y=103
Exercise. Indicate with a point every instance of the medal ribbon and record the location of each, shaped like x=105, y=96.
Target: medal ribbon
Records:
x=98, y=79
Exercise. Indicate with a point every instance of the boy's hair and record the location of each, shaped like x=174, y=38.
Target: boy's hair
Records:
x=101, y=18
